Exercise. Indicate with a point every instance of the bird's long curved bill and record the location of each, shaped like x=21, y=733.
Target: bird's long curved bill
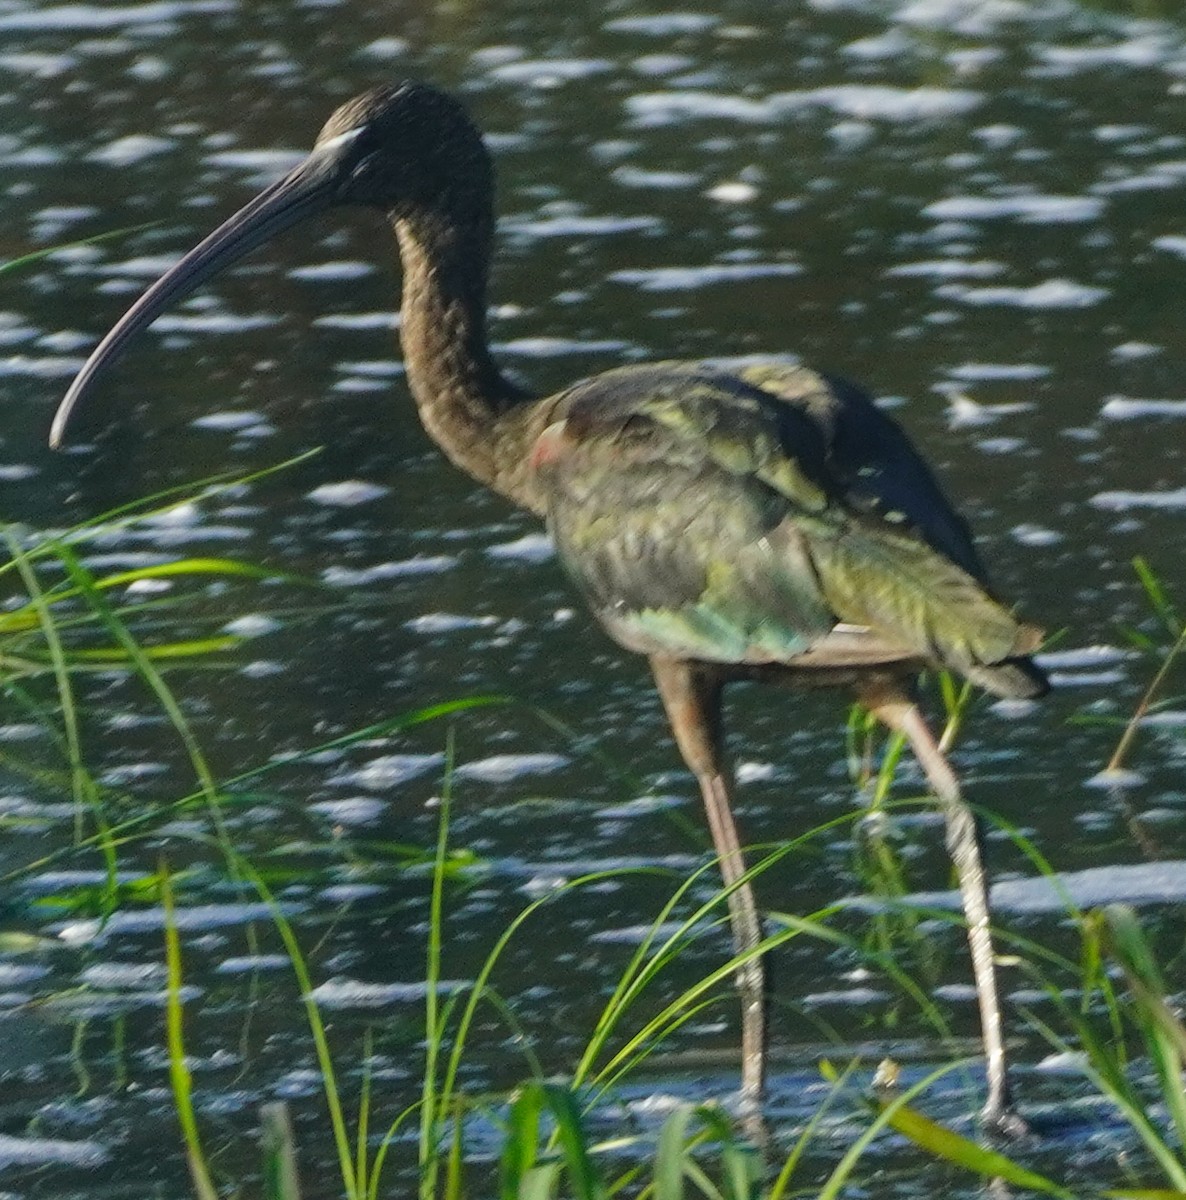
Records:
x=305, y=190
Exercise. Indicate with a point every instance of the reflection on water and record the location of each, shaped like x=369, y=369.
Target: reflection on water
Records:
x=976, y=209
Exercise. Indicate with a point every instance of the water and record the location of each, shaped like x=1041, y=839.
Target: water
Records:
x=973, y=209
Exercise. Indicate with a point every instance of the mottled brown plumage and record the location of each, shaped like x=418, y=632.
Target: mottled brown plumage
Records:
x=768, y=523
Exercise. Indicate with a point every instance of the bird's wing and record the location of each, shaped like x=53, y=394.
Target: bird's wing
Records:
x=702, y=518
x=870, y=459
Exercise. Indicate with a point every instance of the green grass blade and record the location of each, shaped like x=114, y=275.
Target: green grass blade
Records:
x=479, y=989
x=740, y=1166
x=1166, y=612
x=195, y=648
x=786, y=1173
x=433, y=1105
x=385, y=1143
x=1157, y=595
x=838, y=1179
x=179, y=1075
x=940, y=1142
x=582, y=1173
x=168, y=499
x=183, y=567
x=643, y=970
x=361, y=1143
x=1128, y=946
x=83, y=580
x=86, y=791
x=1163, y=1034
x=455, y=1167
x=35, y=256
x=1106, y=1076
x=281, y=1180
x=317, y=1030
x=699, y=1177
x=540, y=1182
x=127, y=828
x=670, y=1154
x=520, y=1144
x=23, y=617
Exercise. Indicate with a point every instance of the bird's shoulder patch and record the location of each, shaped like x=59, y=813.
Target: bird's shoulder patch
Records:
x=800, y=387
x=697, y=415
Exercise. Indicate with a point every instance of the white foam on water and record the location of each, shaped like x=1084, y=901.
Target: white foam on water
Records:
x=341, y=992
x=352, y=810
x=663, y=25
x=1121, y=501
x=81, y=17
x=424, y=564
x=389, y=770
x=131, y=149
x=443, y=622
x=1033, y=209
x=682, y=279
x=252, y=625
x=348, y=493
x=882, y=102
x=1084, y=657
x=1128, y=408
x=947, y=268
x=502, y=768
x=121, y=976
x=548, y=72
x=212, y=322
x=229, y=421
x=21, y=1151
x=200, y=917
x=1050, y=294
x=577, y=225
x=531, y=548
x=1136, y=884
x=332, y=272
x=554, y=347
x=1173, y=244
x=980, y=372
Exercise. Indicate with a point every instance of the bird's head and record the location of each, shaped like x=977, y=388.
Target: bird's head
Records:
x=402, y=149
x=408, y=150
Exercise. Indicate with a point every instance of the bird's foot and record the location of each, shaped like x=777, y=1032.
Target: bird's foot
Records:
x=752, y=1121
x=1004, y=1122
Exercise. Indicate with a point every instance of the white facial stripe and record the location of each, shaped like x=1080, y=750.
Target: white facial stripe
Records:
x=342, y=139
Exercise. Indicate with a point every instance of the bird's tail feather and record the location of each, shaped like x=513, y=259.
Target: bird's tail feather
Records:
x=1013, y=679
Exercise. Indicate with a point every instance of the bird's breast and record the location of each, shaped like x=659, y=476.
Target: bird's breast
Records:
x=551, y=447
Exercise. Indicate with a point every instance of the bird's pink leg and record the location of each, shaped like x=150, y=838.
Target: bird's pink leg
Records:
x=895, y=709
x=692, y=697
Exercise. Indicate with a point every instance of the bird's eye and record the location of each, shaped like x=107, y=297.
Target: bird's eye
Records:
x=363, y=170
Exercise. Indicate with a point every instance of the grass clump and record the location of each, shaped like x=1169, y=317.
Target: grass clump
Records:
x=551, y=1131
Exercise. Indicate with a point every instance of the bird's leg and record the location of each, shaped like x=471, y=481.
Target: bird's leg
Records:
x=692, y=698
x=889, y=703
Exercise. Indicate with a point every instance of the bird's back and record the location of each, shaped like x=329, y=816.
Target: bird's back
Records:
x=740, y=517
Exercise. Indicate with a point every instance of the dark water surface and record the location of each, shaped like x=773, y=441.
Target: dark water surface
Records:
x=977, y=209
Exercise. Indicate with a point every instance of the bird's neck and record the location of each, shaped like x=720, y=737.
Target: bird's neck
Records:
x=469, y=408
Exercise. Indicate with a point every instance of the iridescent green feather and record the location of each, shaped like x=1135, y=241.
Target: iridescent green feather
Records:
x=705, y=518
x=873, y=575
